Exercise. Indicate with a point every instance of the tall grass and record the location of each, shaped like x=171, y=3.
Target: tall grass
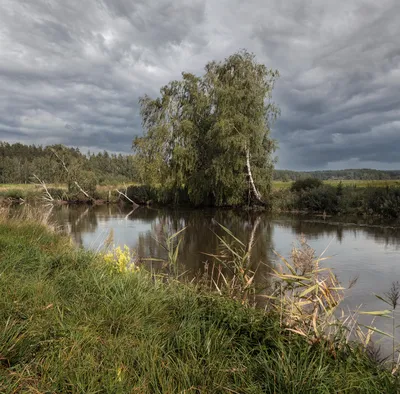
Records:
x=70, y=324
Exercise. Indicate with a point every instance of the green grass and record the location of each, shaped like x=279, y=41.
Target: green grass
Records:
x=70, y=324
x=33, y=192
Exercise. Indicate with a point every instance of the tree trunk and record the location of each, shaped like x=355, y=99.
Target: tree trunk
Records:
x=256, y=193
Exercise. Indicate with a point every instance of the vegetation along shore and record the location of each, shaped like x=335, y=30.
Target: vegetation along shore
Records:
x=75, y=321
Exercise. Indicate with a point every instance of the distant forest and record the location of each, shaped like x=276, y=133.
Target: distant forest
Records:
x=353, y=174
x=18, y=163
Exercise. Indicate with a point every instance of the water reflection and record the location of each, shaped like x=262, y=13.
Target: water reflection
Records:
x=369, y=250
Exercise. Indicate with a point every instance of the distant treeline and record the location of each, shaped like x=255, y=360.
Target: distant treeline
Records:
x=353, y=174
x=18, y=163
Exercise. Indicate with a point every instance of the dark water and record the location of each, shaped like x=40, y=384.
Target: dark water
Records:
x=369, y=251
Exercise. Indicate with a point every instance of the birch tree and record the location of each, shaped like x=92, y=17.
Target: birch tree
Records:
x=210, y=135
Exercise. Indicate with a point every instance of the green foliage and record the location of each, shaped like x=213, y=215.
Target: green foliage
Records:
x=19, y=162
x=320, y=199
x=197, y=134
x=305, y=184
x=375, y=201
x=86, y=179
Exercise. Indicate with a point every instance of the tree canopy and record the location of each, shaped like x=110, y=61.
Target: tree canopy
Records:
x=19, y=162
x=210, y=135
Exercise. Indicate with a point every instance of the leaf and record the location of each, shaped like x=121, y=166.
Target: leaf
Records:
x=309, y=290
x=288, y=276
x=176, y=234
x=231, y=234
x=382, y=299
x=152, y=259
x=297, y=331
x=377, y=330
x=384, y=313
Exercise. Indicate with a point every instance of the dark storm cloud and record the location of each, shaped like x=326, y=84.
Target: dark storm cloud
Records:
x=72, y=72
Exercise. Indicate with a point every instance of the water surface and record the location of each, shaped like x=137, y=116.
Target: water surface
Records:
x=369, y=251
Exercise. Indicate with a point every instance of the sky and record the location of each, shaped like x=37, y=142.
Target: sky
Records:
x=71, y=72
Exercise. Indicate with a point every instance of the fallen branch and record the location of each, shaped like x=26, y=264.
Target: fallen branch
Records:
x=67, y=171
x=46, y=191
x=124, y=194
x=86, y=194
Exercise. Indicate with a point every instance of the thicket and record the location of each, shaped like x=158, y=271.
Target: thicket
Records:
x=352, y=200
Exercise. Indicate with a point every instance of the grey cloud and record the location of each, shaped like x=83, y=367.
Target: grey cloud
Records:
x=72, y=72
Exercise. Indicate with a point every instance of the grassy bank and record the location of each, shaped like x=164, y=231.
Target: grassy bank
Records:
x=282, y=198
x=15, y=193
x=72, y=323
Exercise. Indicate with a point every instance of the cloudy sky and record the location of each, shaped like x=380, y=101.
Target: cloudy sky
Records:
x=71, y=71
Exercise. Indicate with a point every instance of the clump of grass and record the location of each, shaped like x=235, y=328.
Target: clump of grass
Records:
x=392, y=298
x=306, y=296
x=234, y=276
x=69, y=324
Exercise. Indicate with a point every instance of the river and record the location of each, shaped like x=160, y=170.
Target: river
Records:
x=369, y=251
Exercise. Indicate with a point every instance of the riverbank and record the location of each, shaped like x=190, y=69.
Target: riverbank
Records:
x=57, y=194
x=379, y=199
x=73, y=323
x=326, y=199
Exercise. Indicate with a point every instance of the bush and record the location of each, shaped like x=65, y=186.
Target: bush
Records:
x=306, y=184
x=141, y=194
x=145, y=194
x=384, y=202
x=320, y=199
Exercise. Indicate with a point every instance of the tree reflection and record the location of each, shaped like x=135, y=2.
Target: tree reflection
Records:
x=199, y=237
